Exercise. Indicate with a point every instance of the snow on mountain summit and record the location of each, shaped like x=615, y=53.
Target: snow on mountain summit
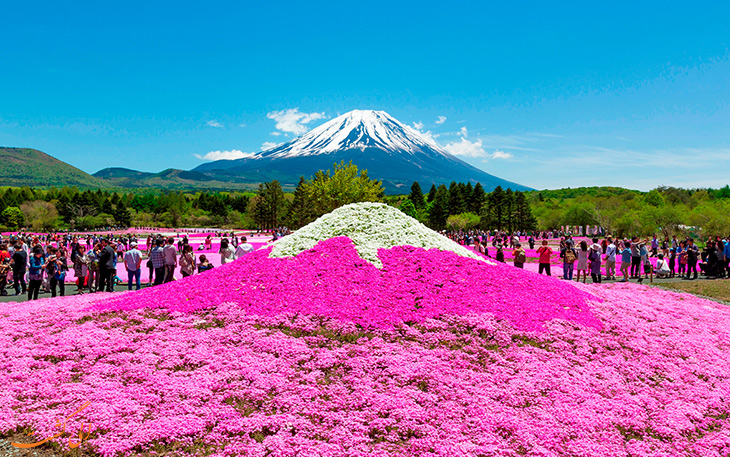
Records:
x=358, y=129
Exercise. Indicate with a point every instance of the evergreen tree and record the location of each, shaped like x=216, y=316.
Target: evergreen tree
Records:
x=431, y=193
x=439, y=210
x=478, y=199
x=122, y=215
x=270, y=205
x=493, y=216
x=524, y=220
x=416, y=196
x=456, y=201
x=467, y=194
x=106, y=207
x=508, y=211
x=301, y=211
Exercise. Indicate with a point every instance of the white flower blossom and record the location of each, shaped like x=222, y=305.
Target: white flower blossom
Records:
x=370, y=226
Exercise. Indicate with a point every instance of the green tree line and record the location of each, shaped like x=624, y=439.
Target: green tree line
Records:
x=664, y=211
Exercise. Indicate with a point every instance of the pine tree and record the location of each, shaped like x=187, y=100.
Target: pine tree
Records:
x=524, y=220
x=270, y=206
x=456, y=201
x=301, y=211
x=439, y=210
x=478, y=199
x=431, y=193
x=416, y=196
x=122, y=215
x=106, y=207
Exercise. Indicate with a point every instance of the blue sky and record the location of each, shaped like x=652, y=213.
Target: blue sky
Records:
x=549, y=95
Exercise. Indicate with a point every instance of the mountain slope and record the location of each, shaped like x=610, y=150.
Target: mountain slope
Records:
x=30, y=167
x=374, y=140
x=167, y=179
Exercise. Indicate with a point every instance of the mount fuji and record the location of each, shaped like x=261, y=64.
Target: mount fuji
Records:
x=392, y=152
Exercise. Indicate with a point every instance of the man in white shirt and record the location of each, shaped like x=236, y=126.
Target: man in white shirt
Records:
x=133, y=262
x=610, y=260
x=243, y=248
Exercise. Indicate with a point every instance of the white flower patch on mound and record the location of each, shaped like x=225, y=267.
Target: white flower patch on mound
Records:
x=370, y=226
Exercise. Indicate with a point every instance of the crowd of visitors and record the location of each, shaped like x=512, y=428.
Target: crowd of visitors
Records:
x=31, y=263
x=631, y=257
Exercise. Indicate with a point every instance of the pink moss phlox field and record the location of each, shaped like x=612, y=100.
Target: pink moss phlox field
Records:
x=331, y=280
x=653, y=381
x=325, y=355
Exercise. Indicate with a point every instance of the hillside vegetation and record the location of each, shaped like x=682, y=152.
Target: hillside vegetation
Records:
x=30, y=167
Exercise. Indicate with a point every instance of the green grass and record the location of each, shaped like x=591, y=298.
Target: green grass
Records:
x=718, y=289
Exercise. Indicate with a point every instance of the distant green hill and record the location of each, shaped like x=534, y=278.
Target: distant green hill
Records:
x=171, y=178
x=30, y=167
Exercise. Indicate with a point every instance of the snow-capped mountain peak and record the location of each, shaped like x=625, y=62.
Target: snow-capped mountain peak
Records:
x=358, y=129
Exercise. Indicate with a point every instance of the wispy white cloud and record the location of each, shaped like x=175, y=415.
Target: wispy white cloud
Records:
x=499, y=154
x=225, y=155
x=441, y=120
x=293, y=121
x=275, y=134
x=467, y=148
x=464, y=147
x=427, y=135
x=269, y=144
x=215, y=124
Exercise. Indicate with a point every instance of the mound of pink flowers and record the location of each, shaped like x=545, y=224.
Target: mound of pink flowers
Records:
x=324, y=354
x=333, y=281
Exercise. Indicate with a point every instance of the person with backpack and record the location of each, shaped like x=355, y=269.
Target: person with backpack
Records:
x=582, y=260
x=519, y=256
x=595, y=258
x=569, y=257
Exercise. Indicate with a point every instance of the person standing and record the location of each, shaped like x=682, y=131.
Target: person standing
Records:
x=4, y=267
x=19, y=264
x=610, y=260
x=106, y=267
x=81, y=268
x=595, y=257
x=692, y=252
x=133, y=264
x=567, y=253
x=56, y=268
x=226, y=252
x=636, y=256
x=544, y=252
x=187, y=261
x=170, y=254
x=35, y=273
x=626, y=261
x=519, y=255
x=158, y=261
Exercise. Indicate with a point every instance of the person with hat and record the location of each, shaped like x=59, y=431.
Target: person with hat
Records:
x=133, y=263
